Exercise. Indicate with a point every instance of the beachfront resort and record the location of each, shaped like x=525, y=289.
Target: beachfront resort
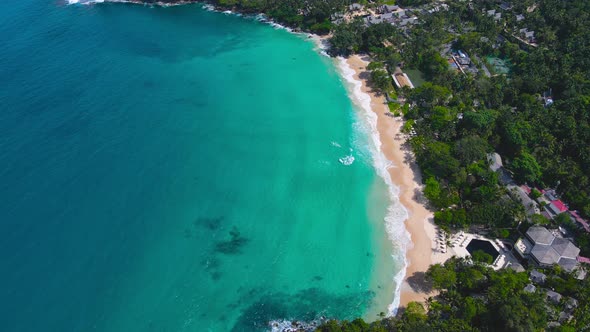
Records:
x=537, y=246
x=502, y=152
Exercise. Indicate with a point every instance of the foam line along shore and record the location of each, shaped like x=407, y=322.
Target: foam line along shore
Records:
x=409, y=222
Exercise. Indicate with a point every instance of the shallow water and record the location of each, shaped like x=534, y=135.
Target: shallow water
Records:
x=174, y=169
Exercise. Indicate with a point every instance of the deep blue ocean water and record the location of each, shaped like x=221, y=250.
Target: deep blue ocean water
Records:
x=174, y=169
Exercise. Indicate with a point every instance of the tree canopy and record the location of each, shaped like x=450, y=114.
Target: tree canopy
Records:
x=473, y=297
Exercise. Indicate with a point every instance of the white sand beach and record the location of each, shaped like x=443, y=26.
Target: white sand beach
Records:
x=406, y=175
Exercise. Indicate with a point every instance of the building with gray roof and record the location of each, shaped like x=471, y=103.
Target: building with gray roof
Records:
x=495, y=161
x=568, y=264
x=516, y=267
x=505, y=5
x=564, y=317
x=387, y=16
x=551, y=194
x=553, y=296
x=388, y=8
x=355, y=7
x=530, y=288
x=571, y=304
x=537, y=277
x=547, y=250
x=373, y=20
x=544, y=255
x=540, y=235
x=531, y=207
x=565, y=248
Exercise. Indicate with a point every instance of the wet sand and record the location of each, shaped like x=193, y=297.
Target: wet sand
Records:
x=406, y=175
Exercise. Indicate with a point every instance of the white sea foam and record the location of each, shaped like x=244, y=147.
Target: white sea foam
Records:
x=261, y=17
x=336, y=144
x=396, y=212
x=208, y=7
x=138, y=2
x=289, y=326
x=346, y=160
x=321, y=44
x=278, y=26
x=92, y=2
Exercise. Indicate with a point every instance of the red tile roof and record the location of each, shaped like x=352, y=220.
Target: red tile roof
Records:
x=559, y=204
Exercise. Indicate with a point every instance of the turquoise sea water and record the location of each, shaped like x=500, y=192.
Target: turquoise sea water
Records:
x=174, y=169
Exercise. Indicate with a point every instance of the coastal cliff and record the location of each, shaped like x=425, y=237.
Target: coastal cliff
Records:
x=310, y=16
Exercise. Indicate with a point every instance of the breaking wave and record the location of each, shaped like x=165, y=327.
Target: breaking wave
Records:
x=346, y=160
x=396, y=212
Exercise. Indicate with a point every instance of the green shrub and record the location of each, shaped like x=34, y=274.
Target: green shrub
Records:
x=482, y=256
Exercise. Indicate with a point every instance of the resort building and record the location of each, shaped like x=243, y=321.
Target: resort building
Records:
x=518, y=193
x=505, y=5
x=530, y=288
x=463, y=62
x=516, y=267
x=521, y=194
x=373, y=20
x=571, y=304
x=553, y=296
x=553, y=206
x=537, y=277
x=401, y=79
x=388, y=9
x=564, y=317
x=495, y=161
x=541, y=247
x=355, y=7
x=391, y=14
x=465, y=244
x=527, y=35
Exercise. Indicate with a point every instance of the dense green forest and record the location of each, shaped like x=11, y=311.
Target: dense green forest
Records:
x=459, y=118
x=473, y=297
x=312, y=15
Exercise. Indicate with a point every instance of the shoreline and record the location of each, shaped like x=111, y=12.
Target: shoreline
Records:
x=206, y=4
x=401, y=170
x=405, y=174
